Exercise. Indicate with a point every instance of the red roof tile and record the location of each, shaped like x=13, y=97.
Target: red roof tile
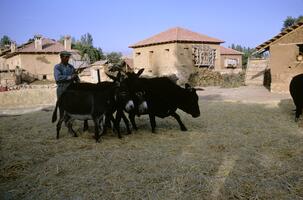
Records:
x=48, y=46
x=229, y=51
x=265, y=45
x=176, y=34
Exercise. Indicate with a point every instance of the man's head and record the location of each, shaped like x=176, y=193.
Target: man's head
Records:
x=65, y=55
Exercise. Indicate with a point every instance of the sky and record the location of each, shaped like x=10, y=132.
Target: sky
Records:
x=116, y=24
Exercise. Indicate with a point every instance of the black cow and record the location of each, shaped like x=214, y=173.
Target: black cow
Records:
x=164, y=97
x=296, y=91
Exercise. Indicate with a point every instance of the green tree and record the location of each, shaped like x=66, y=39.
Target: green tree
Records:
x=87, y=40
x=5, y=40
x=247, y=52
x=289, y=21
x=85, y=46
x=114, y=57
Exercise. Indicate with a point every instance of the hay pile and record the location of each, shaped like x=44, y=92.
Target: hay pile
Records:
x=233, y=151
x=206, y=77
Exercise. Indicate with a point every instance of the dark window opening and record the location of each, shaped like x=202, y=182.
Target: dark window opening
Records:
x=44, y=77
x=138, y=53
x=300, y=48
x=166, y=49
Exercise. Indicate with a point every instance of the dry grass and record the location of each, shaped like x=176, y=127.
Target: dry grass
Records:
x=233, y=151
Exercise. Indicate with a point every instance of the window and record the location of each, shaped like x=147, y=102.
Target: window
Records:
x=44, y=77
x=203, y=56
x=167, y=50
x=231, y=62
x=151, y=51
x=138, y=53
x=300, y=55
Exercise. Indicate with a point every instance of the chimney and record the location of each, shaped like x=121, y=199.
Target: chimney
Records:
x=13, y=46
x=67, y=43
x=38, y=42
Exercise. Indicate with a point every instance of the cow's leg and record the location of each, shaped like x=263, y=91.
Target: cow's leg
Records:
x=298, y=113
x=152, y=120
x=177, y=117
x=131, y=117
x=117, y=123
x=126, y=121
x=85, y=125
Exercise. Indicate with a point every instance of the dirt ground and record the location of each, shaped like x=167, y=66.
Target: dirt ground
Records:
x=245, y=145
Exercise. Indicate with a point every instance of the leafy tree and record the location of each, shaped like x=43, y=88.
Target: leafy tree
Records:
x=114, y=57
x=5, y=40
x=289, y=21
x=87, y=40
x=85, y=47
x=247, y=52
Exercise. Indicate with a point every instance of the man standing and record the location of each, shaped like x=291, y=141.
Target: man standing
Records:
x=64, y=73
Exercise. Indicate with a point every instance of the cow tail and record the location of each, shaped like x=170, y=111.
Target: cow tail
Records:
x=54, y=117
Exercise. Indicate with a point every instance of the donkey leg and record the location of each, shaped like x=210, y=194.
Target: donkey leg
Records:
x=96, y=124
x=131, y=117
x=85, y=125
x=117, y=123
x=61, y=119
x=126, y=121
x=70, y=127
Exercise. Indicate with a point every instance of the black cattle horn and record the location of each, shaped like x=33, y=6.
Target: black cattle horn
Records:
x=198, y=88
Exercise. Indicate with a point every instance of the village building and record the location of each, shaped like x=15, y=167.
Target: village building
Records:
x=178, y=51
x=285, y=57
x=97, y=71
x=36, y=58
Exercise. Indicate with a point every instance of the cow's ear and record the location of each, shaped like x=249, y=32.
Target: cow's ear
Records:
x=140, y=72
x=111, y=77
x=187, y=86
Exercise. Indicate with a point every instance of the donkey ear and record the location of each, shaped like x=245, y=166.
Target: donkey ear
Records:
x=140, y=72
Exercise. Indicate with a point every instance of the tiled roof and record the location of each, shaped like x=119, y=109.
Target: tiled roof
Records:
x=48, y=46
x=229, y=51
x=176, y=34
x=264, y=46
x=100, y=62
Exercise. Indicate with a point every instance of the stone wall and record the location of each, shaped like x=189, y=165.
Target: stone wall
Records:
x=255, y=71
x=28, y=98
